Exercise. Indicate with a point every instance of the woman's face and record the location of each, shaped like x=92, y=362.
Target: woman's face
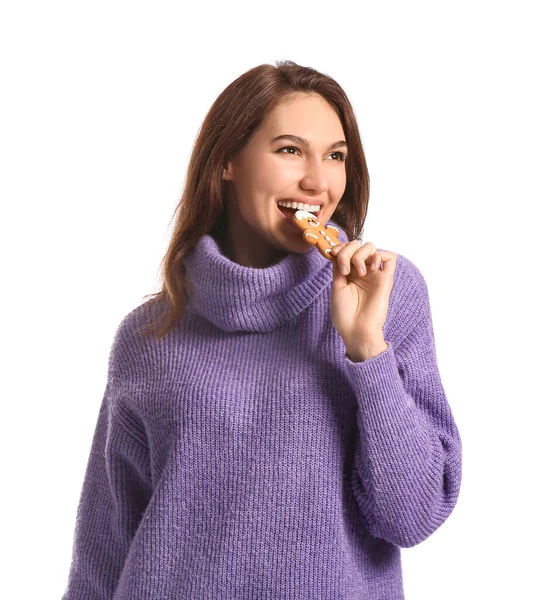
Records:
x=269, y=170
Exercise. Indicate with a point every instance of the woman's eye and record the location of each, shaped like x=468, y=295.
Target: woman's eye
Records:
x=342, y=156
x=288, y=148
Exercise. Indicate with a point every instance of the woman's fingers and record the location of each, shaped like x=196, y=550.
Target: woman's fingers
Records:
x=352, y=254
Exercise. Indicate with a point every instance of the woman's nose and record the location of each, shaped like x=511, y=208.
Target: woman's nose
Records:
x=315, y=176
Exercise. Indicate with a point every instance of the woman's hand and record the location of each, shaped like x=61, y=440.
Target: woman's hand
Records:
x=359, y=302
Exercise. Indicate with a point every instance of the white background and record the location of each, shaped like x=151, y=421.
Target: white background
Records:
x=456, y=104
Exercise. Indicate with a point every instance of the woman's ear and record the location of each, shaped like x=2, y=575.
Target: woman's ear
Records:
x=227, y=174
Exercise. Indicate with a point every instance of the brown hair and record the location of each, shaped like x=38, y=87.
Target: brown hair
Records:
x=232, y=119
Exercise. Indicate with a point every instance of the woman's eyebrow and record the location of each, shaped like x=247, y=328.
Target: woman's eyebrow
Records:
x=304, y=142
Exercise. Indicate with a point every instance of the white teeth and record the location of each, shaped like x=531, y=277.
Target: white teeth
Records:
x=314, y=208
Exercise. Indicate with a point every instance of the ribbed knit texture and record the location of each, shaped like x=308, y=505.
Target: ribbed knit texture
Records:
x=246, y=456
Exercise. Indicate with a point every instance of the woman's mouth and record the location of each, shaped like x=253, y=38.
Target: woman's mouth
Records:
x=289, y=212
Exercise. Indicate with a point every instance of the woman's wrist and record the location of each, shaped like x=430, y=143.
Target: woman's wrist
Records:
x=362, y=352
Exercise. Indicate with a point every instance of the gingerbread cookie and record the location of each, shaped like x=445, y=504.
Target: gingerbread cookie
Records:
x=315, y=234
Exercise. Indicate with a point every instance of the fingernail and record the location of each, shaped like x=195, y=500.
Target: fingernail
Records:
x=344, y=270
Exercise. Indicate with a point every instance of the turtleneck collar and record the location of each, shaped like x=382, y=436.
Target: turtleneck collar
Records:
x=238, y=298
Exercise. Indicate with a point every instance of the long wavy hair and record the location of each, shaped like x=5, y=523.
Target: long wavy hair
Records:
x=232, y=119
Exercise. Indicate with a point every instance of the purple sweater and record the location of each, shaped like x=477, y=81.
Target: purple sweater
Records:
x=246, y=456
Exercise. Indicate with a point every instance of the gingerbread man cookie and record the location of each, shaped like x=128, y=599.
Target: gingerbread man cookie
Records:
x=315, y=234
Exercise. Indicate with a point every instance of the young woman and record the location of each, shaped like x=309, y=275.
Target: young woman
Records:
x=274, y=423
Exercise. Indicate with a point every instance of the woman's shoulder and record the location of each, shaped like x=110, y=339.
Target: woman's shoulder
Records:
x=408, y=277
x=409, y=301
x=129, y=351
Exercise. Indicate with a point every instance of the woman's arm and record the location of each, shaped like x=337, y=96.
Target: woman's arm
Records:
x=115, y=493
x=407, y=468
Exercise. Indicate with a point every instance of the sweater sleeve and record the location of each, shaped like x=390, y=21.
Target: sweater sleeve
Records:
x=115, y=492
x=407, y=466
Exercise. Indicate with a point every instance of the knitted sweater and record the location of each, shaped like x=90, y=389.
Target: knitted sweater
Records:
x=246, y=456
